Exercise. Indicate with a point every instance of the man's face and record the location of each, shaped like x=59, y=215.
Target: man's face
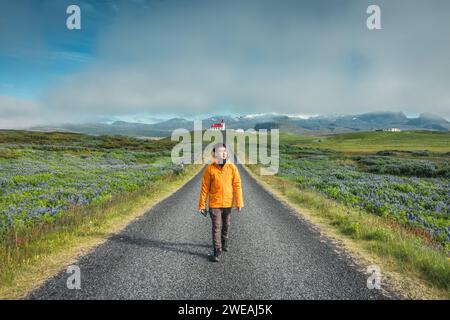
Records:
x=221, y=154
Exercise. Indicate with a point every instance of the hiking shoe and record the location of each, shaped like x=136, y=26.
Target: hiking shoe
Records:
x=225, y=245
x=216, y=255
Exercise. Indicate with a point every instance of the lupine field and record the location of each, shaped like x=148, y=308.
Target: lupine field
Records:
x=43, y=175
x=411, y=187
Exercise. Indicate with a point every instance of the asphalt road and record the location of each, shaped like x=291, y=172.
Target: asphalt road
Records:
x=273, y=254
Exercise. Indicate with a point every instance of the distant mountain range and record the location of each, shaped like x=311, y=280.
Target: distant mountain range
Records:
x=313, y=125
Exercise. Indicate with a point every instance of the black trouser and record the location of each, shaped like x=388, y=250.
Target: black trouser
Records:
x=221, y=219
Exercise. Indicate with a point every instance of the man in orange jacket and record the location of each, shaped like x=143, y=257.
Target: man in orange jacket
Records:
x=222, y=181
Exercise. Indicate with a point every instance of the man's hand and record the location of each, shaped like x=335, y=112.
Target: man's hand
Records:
x=239, y=209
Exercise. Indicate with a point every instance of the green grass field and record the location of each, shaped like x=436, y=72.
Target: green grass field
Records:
x=367, y=142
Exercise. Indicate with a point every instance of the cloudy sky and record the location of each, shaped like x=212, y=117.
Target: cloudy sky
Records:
x=149, y=60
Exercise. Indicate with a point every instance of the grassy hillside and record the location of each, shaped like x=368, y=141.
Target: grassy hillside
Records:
x=66, y=140
x=361, y=142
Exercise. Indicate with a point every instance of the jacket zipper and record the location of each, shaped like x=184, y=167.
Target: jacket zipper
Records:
x=222, y=185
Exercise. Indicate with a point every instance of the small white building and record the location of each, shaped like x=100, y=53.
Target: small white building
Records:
x=392, y=129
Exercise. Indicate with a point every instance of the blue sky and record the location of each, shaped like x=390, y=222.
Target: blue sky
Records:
x=150, y=60
x=36, y=46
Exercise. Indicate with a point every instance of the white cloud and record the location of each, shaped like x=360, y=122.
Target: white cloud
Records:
x=260, y=57
x=19, y=113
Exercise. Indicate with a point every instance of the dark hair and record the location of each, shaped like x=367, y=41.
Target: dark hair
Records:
x=219, y=145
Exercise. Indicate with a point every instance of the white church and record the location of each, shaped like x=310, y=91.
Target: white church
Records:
x=218, y=126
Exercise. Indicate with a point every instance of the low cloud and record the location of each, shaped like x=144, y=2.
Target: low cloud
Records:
x=19, y=113
x=294, y=57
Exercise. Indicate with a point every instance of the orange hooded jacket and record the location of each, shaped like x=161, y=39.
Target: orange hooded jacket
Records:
x=221, y=183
